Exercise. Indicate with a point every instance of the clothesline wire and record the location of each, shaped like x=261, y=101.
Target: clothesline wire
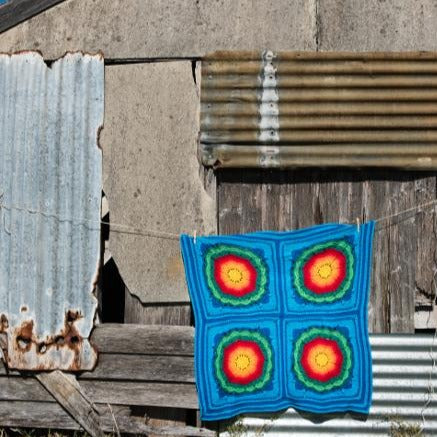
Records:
x=127, y=229
x=414, y=208
x=115, y=227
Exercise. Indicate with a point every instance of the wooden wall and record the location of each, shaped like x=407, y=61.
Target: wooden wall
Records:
x=404, y=246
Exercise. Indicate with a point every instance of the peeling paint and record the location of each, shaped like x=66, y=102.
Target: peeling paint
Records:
x=43, y=354
x=268, y=108
x=269, y=156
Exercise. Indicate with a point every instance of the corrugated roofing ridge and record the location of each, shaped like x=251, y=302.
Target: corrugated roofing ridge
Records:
x=300, y=109
x=50, y=122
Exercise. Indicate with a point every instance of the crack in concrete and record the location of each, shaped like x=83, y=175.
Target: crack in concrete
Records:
x=193, y=71
x=317, y=24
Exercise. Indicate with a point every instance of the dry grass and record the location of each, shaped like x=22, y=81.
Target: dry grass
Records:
x=400, y=429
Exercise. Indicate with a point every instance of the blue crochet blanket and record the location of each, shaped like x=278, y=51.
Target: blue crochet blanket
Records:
x=281, y=320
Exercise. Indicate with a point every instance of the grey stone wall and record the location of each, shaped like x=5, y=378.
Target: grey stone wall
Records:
x=152, y=178
x=166, y=28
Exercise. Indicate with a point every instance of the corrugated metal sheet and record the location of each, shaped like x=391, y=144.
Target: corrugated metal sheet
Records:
x=50, y=191
x=319, y=109
x=405, y=377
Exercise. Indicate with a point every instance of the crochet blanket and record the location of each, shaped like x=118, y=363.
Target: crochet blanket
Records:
x=281, y=320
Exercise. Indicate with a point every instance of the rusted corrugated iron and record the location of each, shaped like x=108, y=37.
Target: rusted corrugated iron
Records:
x=319, y=109
x=50, y=191
x=404, y=401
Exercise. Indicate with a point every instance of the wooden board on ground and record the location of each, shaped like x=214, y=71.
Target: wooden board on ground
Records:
x=133, y=370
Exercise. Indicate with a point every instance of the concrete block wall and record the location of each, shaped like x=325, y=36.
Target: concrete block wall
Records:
x=166, y=28
x=152, y=178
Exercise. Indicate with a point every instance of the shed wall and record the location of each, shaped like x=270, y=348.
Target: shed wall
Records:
x=191, y=29
x=146, y=32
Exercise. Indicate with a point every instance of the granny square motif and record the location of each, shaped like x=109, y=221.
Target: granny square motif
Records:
x=281, y=320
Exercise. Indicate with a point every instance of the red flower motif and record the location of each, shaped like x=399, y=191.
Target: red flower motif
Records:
x=325, y=271
x=322, y=359
x=235, y=275
x=243, y=362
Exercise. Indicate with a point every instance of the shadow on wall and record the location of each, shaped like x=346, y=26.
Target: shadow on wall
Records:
x=111, y=286
x=319, y=175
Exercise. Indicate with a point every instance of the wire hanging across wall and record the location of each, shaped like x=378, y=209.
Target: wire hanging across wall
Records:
x=127, y=229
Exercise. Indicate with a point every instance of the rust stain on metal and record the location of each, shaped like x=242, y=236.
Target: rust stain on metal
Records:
x=3, y=323
x=26, y=341
x=294, y=109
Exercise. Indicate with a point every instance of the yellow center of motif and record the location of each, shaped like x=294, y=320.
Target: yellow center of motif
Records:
x=235, y=275
x=322, y=359
x=325, y=270
x=243, y=361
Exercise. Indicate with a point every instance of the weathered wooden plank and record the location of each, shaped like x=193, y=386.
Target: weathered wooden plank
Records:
x=144, y=339
x=51, y=415
x=170, y=314
x=140, y=339
x=140, y=393
x=400, y=243
x=137, y=368
x=426, y=256
x=35, y=415
x=402, y=255
x=137, y=348
x=379, y=302
x=70, y=395
x=16, y=11
x=137, y=426
x=3, y=341
x=143, y=368
x=404, y=250
x=23, y=389
x=113, y=392
x=177, y=314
